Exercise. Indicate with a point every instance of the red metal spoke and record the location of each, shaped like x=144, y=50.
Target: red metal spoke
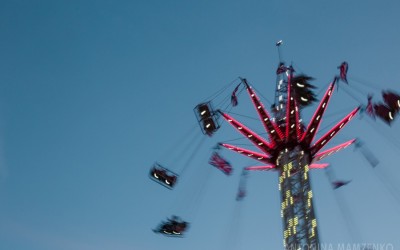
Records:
x=331, y=133
x=252, y=136
x=313, y=126
x=292, y=116
x=261, y=168
x=249, y=153
x=318, y=165
x=274, y=132
x=333, y=150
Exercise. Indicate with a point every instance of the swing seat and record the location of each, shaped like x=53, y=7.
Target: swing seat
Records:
x=174, y=227
x=207, y=118
x=385, y=113
x=392, y=100
x=163, y=176
x=209, y=126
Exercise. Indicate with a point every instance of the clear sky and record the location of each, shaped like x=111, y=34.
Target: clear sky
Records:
x=92, y=93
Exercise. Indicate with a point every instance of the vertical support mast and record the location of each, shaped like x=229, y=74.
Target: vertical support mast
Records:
x=279, y=107
x=299, y=222
x=297, y=210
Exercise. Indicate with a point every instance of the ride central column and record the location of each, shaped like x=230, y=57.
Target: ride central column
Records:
x=297, y=212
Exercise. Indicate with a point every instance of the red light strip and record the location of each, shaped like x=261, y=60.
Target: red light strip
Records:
x=291, y=121
x=331, y=133
x=274, y=132
x=252, y=136
x=313, y=126
x=261, y=168
x=254, y=155
x=332, y=150
x=318, y=165
x=298, y=129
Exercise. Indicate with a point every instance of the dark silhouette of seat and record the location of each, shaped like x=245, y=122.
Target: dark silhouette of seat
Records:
x=163, y=176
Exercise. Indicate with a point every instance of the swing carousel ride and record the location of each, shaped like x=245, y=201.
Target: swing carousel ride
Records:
x=290, y=147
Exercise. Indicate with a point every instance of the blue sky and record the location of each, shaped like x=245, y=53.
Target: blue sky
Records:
x=92, y=93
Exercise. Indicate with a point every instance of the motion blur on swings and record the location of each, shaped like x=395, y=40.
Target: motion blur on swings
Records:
x=173, y=227
x=207, y=118
x=386, y=111
x=163, y=176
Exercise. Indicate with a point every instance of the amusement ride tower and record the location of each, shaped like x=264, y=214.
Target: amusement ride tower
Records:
x=292, y=151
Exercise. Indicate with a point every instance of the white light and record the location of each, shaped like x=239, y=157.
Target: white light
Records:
x=312, y=130
x=330, y=91
x=208, y=125
x=323, y=142
x=229, y=120
x=155, y=175
x=341, y=125
x=292, y=112
x=398, y=103
x=272, y=131
x=250, y=155
x=323, y=105
x=249, y=136
x=252, y=95
x=259, y=158
x=240, y=151
x=304, y=99
x=291, y=98
x=332, y=133
x=259, y=107
x=318, y=117
x=300, y=85
x=260, y=143
x=203, y=112
x=390, y=115
x=280, y=98
x=166, y=181
x=240, y=128
x=350, y=117
x=265, y=119
x=292, y=126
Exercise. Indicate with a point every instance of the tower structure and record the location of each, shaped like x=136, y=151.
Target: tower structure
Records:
x=291, y=150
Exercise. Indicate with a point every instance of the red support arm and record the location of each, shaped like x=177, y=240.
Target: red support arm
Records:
x=333, y=150
x=252, y=136
x=318, y=166
x=261, y=168
x=254, y=155
x=274, y=132
x=331, y=133
x=292, y=116
x=313, y=126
